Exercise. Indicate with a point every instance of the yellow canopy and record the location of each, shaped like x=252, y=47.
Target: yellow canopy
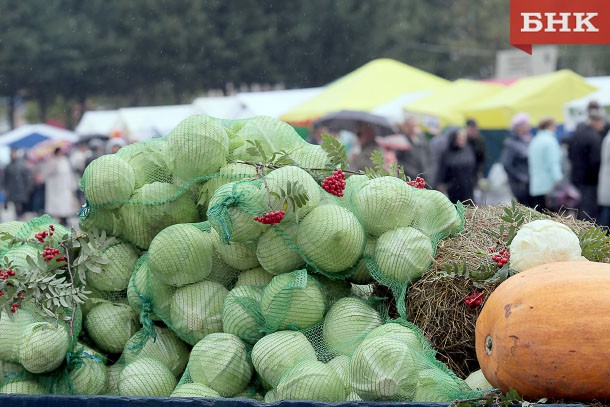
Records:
x=445, y=106
x=540, y=96
x=366, y=88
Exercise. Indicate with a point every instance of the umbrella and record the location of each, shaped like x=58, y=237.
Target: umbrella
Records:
x=45, y=149
x=351, y=120
x=30, y=135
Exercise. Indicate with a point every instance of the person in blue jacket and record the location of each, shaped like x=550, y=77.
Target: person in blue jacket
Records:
x=544, y=162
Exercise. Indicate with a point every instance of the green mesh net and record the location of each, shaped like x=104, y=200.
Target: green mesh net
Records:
x=199, y=299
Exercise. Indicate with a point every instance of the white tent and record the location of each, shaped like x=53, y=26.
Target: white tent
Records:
x=97, y=122
x=221, y=107
x=248, y=104
x=139, y=123
x=575, y=111
x=31, y=134
x=394, y=110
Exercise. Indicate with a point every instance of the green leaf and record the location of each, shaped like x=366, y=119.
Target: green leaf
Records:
x=335, y=151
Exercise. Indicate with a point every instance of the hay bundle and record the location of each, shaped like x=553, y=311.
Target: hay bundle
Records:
x=463, y=266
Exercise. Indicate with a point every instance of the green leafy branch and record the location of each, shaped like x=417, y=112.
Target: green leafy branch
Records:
x=379, y=170
x=294, y=196
x=595, y=244
x=514, y=218
x=256, y=150
x=335, y=151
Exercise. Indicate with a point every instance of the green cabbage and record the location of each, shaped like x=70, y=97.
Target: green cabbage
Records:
x=165, y=347
x=108, y=181
x=257, y=276
x=273, y=135
x=92, y=376
x=196, y=147
x=8, y=368
x=165, y=205
x=436, y=385
x=135, y=227
x=11, y=331
x=237, y=255
x=146, y=378
x=292, y=180
x=115, y=275
x=43, y=347
x=270, y=397
x=312, y=380
x=403, y=255
x=241, y=314
x=114, y=374
x=347, y=323
x=384, y=369
x=191, y=262
x=147, y=158
x=111, y=325
x=22, y=387
x=275, y=354
x=232, y=209
x=103, y=219
x=220, y=361
x=195, y=390
x=340, y=365
x=331, y=237
x=274, y=251
x=384, y=203
x=229, y=173
x=310, y=156
x=400, y=333
x=361, y=274
x=144, y=283
x=477, y=381
x=196, y=310
x=435, y=215
x=292, y=300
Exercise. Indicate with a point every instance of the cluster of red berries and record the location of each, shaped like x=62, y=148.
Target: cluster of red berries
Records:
x=14, y=307
x=501, y=258
x=49, y=253
x=5, y=274
x=334, y=184
x=475, y=299
x=271, y=218
x=418, y=182
x=41, y=236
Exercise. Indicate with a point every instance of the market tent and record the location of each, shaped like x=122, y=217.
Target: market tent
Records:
x=394, y=110
x=274, y=103
x=221, y=107
x=30, y=135
x=97, y=123
x=576, y=110
x=446, y=106
x=540, y=96
x=139, y=123
x=368, y=87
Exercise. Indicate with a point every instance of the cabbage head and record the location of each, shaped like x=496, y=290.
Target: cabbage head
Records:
x=274, y=251
x=146, y=377
x=240, y=256
x=195, y=390
x=347, y=323
x=115, y=275
x=384, y=203
x=43, y=346
x=312, y=380
x=292, y=181
x=257, y=276
x=196, y=310
x=191, y=262
x=241, y=314
x=403, y=255
x=332, y=238
x=275, y=354
x=22, y=387
x=220, y=361
x=435, y=215
x=111, y=325
x=196, y=147
x=92, y=376
x=108, y=181
x=293, y=300
x=166, y=347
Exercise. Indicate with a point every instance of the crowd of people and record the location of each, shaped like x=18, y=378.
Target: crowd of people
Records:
x=542, y=171
x=51, y=185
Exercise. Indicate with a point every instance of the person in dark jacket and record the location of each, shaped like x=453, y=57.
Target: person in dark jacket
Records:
x=514, y=158
x=457, y=167
x=415, y=159
x=18, y=182
x=584, y=153
x=476, y=140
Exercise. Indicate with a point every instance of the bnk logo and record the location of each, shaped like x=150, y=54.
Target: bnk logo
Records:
x=562, y=22
x=559, y=22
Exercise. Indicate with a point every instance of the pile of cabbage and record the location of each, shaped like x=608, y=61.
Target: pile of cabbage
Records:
x=198, y=299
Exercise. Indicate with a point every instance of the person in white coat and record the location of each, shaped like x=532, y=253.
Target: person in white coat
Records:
x=60, y=187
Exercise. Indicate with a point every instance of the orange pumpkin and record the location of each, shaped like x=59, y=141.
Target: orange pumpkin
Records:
x=545, y=332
